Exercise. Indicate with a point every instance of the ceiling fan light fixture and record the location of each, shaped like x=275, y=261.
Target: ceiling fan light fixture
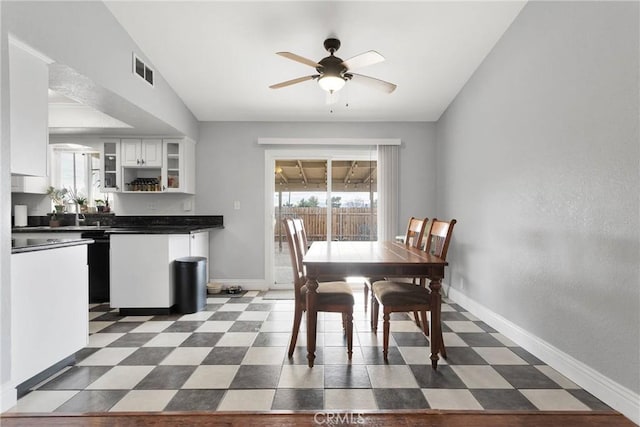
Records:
x=331, y=83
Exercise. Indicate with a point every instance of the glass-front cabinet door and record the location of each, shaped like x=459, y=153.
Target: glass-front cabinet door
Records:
x=110, y=159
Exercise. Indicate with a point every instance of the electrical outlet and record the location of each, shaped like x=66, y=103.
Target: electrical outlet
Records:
x=151, y=206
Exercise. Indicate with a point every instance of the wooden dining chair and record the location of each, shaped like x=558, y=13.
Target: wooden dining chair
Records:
x=396, y=296
x=298, y=223
x=414, y=238
x=335, y=297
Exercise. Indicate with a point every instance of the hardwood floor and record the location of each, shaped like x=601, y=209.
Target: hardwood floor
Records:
x=288, y=419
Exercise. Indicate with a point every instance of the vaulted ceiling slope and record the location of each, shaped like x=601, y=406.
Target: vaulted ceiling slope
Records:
x=219, y=56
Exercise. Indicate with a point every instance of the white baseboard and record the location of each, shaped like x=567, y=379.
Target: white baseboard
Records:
x=8, y=396
x=247, y=284
x=610, y=392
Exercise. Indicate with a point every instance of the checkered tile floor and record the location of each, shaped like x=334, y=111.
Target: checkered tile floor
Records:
x=232, y=357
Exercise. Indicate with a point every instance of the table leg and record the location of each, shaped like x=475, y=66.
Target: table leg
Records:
x=436, y=328
x=312, y=318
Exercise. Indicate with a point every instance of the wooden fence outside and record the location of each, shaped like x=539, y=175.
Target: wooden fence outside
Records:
x=346, y=223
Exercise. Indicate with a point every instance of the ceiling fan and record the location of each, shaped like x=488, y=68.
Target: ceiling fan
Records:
x=333, y=72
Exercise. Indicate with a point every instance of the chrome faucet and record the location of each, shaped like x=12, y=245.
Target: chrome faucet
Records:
x=78, y=215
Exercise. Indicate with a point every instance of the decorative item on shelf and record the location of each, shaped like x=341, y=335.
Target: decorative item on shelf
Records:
x=107, y=208
x=79, y=200
x=58, y=196
x=100, y=205
x=144, y=184
x=55, y=219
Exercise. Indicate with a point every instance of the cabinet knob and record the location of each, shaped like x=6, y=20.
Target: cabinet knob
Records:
x=137, y=161
x=142, y=161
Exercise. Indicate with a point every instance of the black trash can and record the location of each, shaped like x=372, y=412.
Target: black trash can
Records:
x=190, y=280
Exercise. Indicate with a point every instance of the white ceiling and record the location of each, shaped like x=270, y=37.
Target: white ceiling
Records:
x=219, y=56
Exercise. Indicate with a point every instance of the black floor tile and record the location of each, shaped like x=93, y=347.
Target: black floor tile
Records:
x=92, y=401
x=167, y=317
x=346, y=376
x=464, y=356
x=590, y=400
x=298, y=399
x=271, y=339
x=225, y=315
x=259, y=307
x=526, y=356
x=245, y=326
x=374, y=356
x=195, y=400
x=120, y=327
x=76, y=378
x=400, y=398
x=102, y=307
x=505, y=400
x=240, y=300
x=108, y=317
x=147, y=356
x=84, y=353
x=257, y=376
x=484, y=327
x=410, y=339
x=525, y=377
x=213, y=307
x=225, y=356
x=202, y=339
x=166, y=378
x=133, y=339
x=453, y=315
x=443, y=377
x=479, y=339
x=184, y=326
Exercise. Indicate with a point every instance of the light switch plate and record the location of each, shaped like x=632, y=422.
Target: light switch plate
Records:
x=236, y=205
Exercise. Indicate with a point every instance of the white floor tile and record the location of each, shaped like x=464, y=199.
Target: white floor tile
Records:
x=136, y=319
x=198, y=315
x=301, y=376
x=247, y=400
x=211, y=376
x=217, y=300
x=554, y=400
x=121, y=378
x=499, y=356
x=503, y=340
x=416, y=355
x=391, y=376
x=277, y=326
x=450, y=399
x=264, y=356
x=462, y=326
x=109, y=356
x=98, y=326
x=254, y=315
x=151, y=327
x=339, y=356
x=167, y=339
x=186, y=356
x=144, y=400
x=43, y=400
x=453, y=340
x=480, y=376
x=95, y=314
x=237, y=339
x=215, y=326
x=352, y=399
x=251, y=294
x=470, y=316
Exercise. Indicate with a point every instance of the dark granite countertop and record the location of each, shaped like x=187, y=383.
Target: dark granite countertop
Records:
x=21, y=245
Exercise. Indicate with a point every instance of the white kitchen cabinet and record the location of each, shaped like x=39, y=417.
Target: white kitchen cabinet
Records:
x=49, y=308
x=142, y=153
x=29, y=110
x=141, y=269
x=29, y=184
x=178, y=170
x=110, y=176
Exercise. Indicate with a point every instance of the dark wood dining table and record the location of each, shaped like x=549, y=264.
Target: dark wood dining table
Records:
x=330, y=260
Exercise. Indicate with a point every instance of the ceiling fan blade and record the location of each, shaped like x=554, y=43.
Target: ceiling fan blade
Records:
x=292, y=82
x=299, y=58
x=363, y=60
x=373, y=82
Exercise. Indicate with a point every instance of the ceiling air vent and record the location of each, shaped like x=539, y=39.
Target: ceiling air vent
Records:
x=141, y=70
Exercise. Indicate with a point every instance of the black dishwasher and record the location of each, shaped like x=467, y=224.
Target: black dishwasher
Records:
x=98, y=260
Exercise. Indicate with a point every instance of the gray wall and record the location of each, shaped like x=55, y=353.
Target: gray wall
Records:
x=230, y=166
x=538, y=160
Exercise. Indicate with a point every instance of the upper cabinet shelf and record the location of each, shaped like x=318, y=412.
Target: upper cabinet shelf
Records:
x=149, y=165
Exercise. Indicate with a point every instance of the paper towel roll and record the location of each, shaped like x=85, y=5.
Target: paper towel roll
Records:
x=20, y=212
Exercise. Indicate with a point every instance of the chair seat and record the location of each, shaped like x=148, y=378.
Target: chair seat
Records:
x=332, y=293
x=398, y=293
